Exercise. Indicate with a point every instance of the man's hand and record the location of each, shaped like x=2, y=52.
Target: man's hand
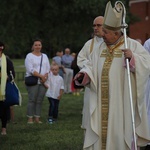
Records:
x=127, y=53
x=82, y=79
x=79, y=77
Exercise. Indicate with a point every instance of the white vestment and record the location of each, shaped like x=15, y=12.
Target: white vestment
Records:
x=82, y=59
x=119, y=129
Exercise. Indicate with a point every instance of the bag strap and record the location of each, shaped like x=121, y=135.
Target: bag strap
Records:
x=41, y=63
x=13, y=80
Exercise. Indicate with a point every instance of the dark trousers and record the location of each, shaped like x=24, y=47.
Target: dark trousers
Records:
x=53, y=108
x=4, y=113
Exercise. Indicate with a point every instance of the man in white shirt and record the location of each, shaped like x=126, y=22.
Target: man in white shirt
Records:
x=66, y=62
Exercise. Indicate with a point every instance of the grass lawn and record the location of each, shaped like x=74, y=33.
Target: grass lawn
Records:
x=65, y=134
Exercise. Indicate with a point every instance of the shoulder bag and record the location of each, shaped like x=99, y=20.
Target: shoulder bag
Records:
x=12, y=93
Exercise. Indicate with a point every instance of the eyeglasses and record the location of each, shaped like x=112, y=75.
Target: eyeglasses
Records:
x=97, y=25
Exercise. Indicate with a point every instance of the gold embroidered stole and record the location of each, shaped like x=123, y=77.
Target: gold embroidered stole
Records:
x=91, y=46
x=109, y=54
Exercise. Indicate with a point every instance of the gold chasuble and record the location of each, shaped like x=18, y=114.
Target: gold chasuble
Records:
x=110, y=53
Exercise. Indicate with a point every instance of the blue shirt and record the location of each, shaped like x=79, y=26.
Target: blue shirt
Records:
x=57, y=59
x=67, y=60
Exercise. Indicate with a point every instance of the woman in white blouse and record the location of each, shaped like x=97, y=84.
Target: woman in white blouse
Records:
x=36, y=93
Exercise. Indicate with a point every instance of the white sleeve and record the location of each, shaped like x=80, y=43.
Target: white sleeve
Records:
x=83, y=55
x=62, y=84
x=47, y=64
x=29, y=64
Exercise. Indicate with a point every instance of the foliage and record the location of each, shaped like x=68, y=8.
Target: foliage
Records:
x=60, y=24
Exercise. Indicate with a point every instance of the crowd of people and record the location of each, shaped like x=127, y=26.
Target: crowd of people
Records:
x=100, y=67
x=53, y=81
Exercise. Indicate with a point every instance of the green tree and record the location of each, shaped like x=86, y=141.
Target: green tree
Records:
x=60, y=24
